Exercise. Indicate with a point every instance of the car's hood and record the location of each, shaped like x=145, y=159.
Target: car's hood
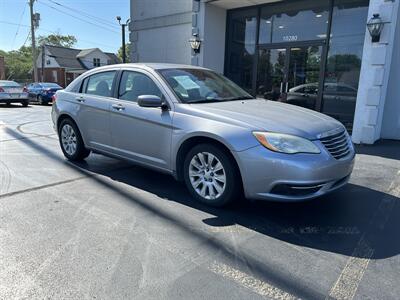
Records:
x=271, y=116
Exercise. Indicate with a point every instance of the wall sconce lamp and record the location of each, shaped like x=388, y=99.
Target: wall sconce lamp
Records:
x=375, y=26
x=195, y=43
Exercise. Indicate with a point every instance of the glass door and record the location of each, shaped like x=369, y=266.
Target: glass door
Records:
x=272, y=73
x=290, y=74
x=304, y=75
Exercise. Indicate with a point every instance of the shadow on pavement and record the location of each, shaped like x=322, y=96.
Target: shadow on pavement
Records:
x=383, y=148
x=352, y=206
x=334, y=222
x=15, y=105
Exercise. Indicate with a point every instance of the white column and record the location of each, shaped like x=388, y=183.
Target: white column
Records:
x=375, y=69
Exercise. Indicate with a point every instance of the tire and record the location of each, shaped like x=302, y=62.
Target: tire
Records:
x=8, y=103
x=40, y=100
x=71, y=141
x=25, y=103
x=211, y=189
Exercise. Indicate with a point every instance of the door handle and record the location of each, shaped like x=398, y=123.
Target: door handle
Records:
x=118, y=106
x=80, y=99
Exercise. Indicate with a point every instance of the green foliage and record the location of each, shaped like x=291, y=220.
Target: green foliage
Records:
x=127, y=52
x=57, y=39
x=18, y=64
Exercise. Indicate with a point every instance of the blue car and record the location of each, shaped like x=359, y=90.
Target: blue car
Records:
x=42, y=92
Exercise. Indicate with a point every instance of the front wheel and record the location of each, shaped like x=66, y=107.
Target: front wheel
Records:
x=211, y=175
x=25, y=103
x=71, y=141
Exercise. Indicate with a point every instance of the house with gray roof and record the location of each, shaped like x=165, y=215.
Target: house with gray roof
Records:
x=62, y=65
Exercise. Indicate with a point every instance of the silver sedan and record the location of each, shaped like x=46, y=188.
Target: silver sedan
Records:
x=203, y=129
x=13, y=92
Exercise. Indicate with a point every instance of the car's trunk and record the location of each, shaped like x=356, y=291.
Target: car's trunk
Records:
x=12, y=89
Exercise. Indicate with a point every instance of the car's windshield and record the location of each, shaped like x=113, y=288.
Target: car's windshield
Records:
x=200, y=86
x=50, y=85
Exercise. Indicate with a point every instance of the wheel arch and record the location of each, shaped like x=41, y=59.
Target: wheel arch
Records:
x=64, y=116
x=190, y=142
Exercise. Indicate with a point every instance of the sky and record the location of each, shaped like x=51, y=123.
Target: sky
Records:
x=92, y=22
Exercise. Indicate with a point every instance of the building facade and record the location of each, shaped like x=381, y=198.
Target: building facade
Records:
x=62, y=65
x=316, y=54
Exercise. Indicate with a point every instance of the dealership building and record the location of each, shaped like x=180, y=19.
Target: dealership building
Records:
x=339, y=57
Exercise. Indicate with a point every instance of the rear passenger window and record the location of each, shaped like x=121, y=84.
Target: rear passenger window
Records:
x=100, y=84
x=134, y=84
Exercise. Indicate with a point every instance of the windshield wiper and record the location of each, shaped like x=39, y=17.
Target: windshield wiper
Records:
x=239, y=98
x=210, y=100
x=206, y=100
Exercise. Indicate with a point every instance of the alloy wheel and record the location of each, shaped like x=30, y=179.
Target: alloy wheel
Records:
x=207, y=175
x=69, y=139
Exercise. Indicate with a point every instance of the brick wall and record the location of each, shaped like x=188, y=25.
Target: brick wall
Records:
x=56, y=75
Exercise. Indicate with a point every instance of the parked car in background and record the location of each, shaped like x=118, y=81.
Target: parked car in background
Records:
x=13, y=92
x=205, y=130
x=339, y=99
x=42, y=92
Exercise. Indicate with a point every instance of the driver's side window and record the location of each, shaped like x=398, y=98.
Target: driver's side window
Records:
x=135, y=84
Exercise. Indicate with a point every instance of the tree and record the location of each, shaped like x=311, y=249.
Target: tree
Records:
x=18, y=64
x=127, y=52
x=57, y=39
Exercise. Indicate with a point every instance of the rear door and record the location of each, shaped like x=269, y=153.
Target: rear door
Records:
x=139, y=133
x=93, y=115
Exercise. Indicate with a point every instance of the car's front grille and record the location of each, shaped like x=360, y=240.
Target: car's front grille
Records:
x=337, y=144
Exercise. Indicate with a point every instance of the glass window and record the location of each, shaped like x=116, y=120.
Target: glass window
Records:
x=100, y=84
x=196, y=86
x=344, y=59
x=299, y=21
x=96, y=62
x=241, y=46
x=134, y=84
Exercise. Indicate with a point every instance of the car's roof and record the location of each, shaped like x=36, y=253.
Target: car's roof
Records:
x=7, y=81
x=154, y=66
x=46, y=82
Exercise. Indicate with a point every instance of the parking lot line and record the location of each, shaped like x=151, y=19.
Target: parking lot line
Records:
x=256, y=285
x=347, y=284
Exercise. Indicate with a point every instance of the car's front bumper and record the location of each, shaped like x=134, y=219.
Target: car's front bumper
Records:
x=276, y=176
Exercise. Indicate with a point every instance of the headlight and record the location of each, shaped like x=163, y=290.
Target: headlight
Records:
x=285, y=143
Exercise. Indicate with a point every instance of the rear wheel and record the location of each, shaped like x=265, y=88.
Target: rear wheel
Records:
x=40, y=100
x=25, y=103
x=211, y=176
x=71, y=141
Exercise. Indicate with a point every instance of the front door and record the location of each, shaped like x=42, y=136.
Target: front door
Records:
x=291, y=73
x=139, y=133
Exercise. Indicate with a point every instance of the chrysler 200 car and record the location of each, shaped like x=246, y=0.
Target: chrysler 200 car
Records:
x=205, y=130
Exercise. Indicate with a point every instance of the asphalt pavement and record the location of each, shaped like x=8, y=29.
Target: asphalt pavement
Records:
x=107, y=229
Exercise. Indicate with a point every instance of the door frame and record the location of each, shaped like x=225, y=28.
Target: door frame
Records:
x=288, y=46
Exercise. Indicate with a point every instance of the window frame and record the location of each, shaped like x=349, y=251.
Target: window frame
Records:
x=155, y=80
x=84, y=83
x=96, y=62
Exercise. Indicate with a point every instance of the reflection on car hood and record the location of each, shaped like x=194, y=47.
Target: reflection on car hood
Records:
x=271, y=116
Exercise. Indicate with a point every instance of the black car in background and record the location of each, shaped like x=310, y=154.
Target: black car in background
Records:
x=42, y=92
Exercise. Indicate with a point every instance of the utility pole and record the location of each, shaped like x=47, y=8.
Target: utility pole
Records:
x=123, y=25
x=42, y=71
x=33, y=24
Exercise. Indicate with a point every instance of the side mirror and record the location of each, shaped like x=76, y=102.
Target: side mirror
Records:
x=151, y=101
